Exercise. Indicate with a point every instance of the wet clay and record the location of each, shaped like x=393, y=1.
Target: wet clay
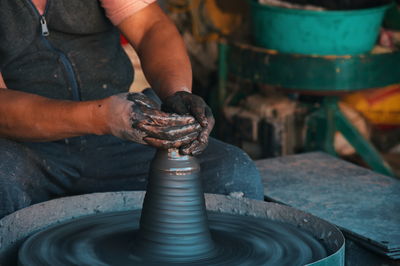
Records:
x=173, y=223
x=172, y=229
x=144, y=123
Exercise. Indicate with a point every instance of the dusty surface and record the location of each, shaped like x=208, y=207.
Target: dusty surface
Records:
x=364, y=204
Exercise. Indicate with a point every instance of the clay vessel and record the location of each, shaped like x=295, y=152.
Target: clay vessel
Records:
x=173, y=223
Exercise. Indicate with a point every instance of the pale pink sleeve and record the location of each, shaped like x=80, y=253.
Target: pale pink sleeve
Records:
x=2, y=83
x=118, y=10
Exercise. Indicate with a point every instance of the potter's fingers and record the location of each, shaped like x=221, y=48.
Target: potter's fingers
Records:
x=205, y=133
x=194, y=148
x=199, y=148
x=142, y=99
x=199, y=145
x=167, y=144
x=156, y=117
x=199, y=110
x=186, y=149
x=170, y=133
x=210, y=117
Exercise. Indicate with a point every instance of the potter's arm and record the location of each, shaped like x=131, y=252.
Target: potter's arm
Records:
x=29, y=117
x=161, y=50
x=167, y=67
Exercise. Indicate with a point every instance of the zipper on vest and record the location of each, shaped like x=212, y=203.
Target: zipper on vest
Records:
x=64, y=59
x=43, y=24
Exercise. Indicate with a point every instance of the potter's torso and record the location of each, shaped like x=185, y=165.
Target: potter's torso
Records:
x=70, y=50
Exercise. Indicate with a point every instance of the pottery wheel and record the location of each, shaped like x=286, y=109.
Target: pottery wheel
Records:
x=108, y=239
x=173, y=228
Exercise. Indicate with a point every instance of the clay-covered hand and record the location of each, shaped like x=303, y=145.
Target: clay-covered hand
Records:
x=185, y=103
x=136, y=117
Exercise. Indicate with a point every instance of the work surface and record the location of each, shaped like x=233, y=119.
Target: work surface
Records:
x=364, y=204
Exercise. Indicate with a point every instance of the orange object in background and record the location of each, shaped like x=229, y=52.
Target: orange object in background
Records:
x=211, y=18
x=381, y=106
x=225, y=16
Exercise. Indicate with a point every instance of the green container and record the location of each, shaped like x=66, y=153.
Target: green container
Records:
x=348, y=32
x=392, y=18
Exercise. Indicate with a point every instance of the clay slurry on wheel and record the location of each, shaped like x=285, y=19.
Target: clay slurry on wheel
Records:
x=172, y=229
x=108, y=239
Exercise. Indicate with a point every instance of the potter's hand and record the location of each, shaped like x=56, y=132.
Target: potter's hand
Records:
x=135, y=117
x=185, y=103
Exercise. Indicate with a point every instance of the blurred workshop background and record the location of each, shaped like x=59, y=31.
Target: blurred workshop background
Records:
x=286, y=77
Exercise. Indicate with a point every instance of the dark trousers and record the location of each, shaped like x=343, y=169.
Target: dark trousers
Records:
x=36, y=172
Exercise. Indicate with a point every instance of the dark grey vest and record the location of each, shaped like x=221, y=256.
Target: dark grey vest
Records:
x=80, y=59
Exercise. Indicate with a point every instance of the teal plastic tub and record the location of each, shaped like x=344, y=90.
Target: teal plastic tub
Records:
x=392, y=18
x=348, y=32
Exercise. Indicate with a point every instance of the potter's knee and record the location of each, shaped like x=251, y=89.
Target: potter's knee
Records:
x=12, y=198
x=229, y=169
x=20, y=175
x=15, y=160
x=237, y=161
x=244, y=176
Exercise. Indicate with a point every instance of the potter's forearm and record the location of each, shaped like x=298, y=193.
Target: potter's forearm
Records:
x=161, y=50
x=167, y=67
x=29, y=117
